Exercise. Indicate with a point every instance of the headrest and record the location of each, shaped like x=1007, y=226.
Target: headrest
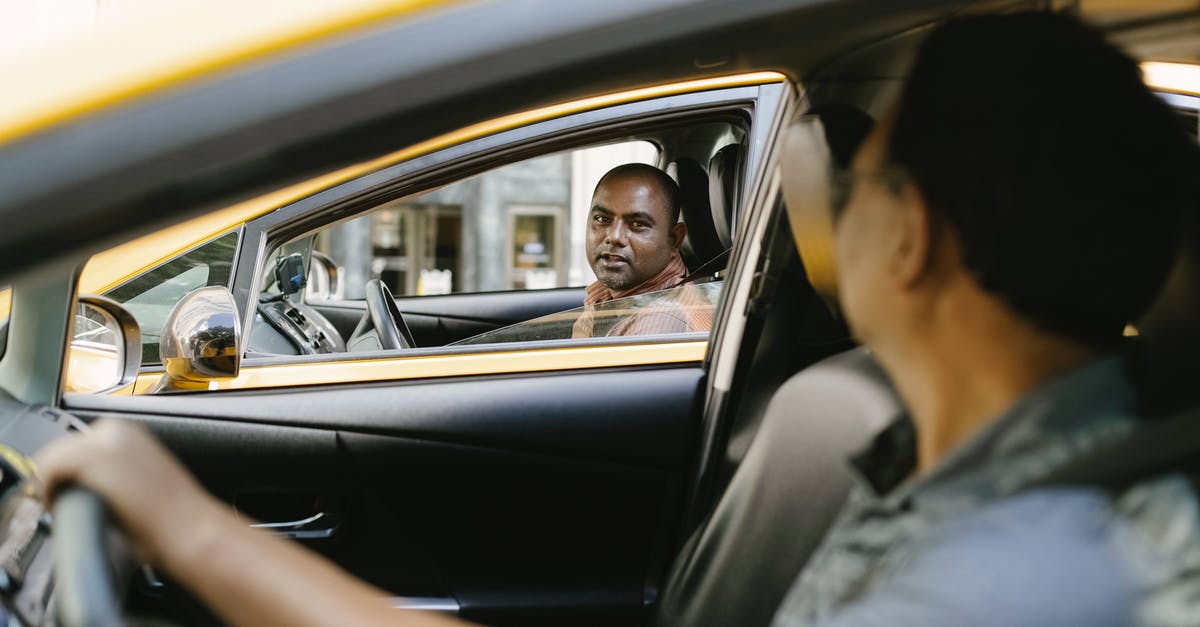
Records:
x=725, y=189
x=813, y=146
x=701, y=242
x=1168, y=344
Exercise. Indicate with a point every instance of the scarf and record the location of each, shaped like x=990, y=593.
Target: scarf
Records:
x=670, y=276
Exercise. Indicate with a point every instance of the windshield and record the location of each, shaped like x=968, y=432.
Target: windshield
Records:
x=681, y=310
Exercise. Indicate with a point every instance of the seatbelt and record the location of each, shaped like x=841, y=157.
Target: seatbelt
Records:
x=1160, y=447
x=720, y=258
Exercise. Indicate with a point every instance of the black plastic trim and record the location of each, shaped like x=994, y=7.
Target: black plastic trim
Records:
x=568, y=414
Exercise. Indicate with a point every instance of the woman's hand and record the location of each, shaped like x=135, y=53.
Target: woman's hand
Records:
x=166, y=514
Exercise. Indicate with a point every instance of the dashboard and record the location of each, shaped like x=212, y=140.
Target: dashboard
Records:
x=26, y=558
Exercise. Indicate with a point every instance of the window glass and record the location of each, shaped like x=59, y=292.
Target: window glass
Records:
x=151, y=295
x=516, y=227
x=509, y=238
x=684, y=309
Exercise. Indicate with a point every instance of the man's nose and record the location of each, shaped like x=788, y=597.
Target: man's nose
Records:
x=617, y=233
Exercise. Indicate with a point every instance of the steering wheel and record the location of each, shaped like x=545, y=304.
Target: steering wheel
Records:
x=382, y=322
x=88, y=584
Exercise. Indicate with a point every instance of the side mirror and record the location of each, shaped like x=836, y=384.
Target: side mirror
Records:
x=201, y=341
x=106, y=348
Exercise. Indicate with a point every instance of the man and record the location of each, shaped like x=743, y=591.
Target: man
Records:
x=997, y=238
x=633, y=239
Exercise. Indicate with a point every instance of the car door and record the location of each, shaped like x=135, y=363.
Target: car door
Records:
x=532, y=483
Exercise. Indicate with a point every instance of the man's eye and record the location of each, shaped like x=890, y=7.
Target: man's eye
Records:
x=600, y=219
x=640, y=225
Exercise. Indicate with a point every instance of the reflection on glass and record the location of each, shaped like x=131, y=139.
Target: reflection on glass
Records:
x=95, y=358
x=686, y=309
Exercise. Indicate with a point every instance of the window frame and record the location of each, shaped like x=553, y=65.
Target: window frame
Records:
x=757, y=104
x=415, y=176
x=107, y=292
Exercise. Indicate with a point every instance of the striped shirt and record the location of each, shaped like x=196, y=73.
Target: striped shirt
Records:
x=666, y=306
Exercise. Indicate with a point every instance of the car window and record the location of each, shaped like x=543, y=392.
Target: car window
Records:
x=482, y=251
x=151, y=295
x=685, y=309
x=517, y=227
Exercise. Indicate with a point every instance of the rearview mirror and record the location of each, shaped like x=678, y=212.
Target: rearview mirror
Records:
x=201, y=341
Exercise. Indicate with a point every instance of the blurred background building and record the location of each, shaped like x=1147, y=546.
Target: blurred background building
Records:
x=520, y=226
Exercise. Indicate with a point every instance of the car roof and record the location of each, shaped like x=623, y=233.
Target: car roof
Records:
x=236, y=113
x=110, y=64
x=253, y=97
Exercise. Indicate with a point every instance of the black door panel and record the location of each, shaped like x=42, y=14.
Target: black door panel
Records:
x=440, y=320
x=511, y=534
x=530, y=499
x=634, y=415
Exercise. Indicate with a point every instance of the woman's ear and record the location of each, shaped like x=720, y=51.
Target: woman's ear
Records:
x=916, y=238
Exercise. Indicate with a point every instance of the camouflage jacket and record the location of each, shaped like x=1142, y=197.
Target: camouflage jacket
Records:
x=976, y=542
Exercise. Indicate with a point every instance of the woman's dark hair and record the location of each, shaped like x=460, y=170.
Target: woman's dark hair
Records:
x=1064, y=177
x=845, y=129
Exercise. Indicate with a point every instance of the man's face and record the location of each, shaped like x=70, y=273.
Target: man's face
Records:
x=630, y=235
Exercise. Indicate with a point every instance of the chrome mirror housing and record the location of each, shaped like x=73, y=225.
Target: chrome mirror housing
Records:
x=201, y=341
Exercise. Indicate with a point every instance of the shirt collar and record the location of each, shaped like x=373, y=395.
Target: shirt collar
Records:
x=1045, y=428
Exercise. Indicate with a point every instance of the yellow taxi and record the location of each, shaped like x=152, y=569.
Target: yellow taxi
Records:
x=205, y=207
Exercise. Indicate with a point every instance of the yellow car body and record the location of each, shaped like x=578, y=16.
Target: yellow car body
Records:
x=202, y=50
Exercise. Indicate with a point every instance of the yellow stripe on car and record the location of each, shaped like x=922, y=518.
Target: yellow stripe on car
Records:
x=438, y=366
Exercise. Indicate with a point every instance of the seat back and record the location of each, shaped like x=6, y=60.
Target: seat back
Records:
x=1162, y=359
x=725, y=189
x=736, y=568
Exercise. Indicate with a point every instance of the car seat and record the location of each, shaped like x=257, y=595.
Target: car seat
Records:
x=724, y=190
x=1162, y=358
x=737, y=567
x=702, y=242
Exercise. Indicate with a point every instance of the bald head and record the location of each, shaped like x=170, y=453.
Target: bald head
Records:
x=665, y=187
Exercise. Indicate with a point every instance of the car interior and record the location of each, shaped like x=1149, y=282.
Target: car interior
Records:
x=705, y=154
x=779, y=476
x=695, y=496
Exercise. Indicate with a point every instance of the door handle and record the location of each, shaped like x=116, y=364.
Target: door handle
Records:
x=316, y=527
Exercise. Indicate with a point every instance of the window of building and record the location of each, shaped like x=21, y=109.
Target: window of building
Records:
x=535, y=261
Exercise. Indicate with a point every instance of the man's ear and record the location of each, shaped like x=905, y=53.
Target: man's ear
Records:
x=913, y=255
x=678, y=232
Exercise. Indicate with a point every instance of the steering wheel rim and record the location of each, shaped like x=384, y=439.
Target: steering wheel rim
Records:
x=386, y=318
x=86, y=582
